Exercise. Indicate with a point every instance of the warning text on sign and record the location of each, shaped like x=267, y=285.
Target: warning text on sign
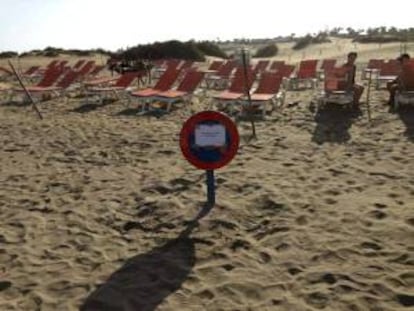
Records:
x=210, y=135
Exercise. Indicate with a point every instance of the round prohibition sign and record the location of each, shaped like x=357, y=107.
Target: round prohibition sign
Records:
x=209, y=157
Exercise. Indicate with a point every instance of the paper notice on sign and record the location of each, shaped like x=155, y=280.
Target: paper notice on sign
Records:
x=210, y=135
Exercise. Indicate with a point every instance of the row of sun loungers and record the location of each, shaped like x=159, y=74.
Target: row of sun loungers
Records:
x=265, y=83
x=56, y=78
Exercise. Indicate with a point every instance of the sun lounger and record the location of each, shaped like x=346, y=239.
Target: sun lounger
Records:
x=221, y=77
x=55, y=89
x=336, y=88
x=372, y=68
x=183, y=92
x=119, y=88
x=387, y=72
x=405, y=91
x=327, y=64
x=166, y=81
x=306, y=74
x=238, y=87
x=268, y=91
x=276, y=65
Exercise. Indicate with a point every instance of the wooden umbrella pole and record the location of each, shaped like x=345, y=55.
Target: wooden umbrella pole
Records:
x=247, y=91
x=368, y=95
x=26, y=91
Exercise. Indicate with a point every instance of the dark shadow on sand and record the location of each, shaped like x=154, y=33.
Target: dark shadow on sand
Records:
x=137, y=112
x=145, y=280
x=333, y=123
x=406, y=114
x=129, y=112
x=16, y=104
x=88, y=107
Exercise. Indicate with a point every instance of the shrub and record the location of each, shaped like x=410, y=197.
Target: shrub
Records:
x=36, y=53
x=50, y=53
x=267, y=51
x=78, y=53
x=159, y=50
x=101, y=51
x=303, y=42
x=53, y=49
x=378, y=39
x=8, y=54
x=211, y=49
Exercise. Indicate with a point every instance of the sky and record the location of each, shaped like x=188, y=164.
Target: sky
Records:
x=83, y=24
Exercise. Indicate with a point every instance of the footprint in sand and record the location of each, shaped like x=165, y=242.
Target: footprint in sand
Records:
x=144, y=211
x=371, y=246
x=130, y=225
x=395, y=282
x=282, y=247
x=13, y=235
x=181, y=184
x=321, y=277
x=377, y=214
x=317, y=299
x=294, y=271
x=206, y=294
x=159, y=188
x=333, y=192
x=270, y=205
x=302, y=220
x=217, y=223
x=380, y=205
x=330, y=201
x=393, y=195
x=265, y=257
x=410, y=221
x=237, y=244
x=404, y=259
x=228, y=267
x=405, y=300
x=5, y=285
x=407, y=278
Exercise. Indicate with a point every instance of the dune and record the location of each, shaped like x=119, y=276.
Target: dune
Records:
x=316, y=214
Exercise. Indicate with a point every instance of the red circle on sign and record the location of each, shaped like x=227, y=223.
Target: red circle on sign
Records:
x=188, y=129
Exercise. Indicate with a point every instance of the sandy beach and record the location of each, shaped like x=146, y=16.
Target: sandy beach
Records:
x=316, y=214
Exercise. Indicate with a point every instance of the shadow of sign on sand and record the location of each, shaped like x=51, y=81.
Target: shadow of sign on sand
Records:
x=145, y=280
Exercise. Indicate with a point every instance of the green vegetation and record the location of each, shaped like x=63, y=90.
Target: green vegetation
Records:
x=54, y=52
x=51, y=52
x=211, y=49
x=8, y=54
x=378, y=39
x=267, y=51
x=374, y=35
x=307, y=40
x=190, y=50
x=193, y=50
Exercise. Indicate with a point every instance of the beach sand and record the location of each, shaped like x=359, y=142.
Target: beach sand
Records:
x=316, y=214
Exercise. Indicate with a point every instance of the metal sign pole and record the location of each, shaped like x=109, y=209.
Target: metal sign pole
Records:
x=211, y=191
x=209, y=140
x=26, y=91
x=368, y=95
x=247, y=91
